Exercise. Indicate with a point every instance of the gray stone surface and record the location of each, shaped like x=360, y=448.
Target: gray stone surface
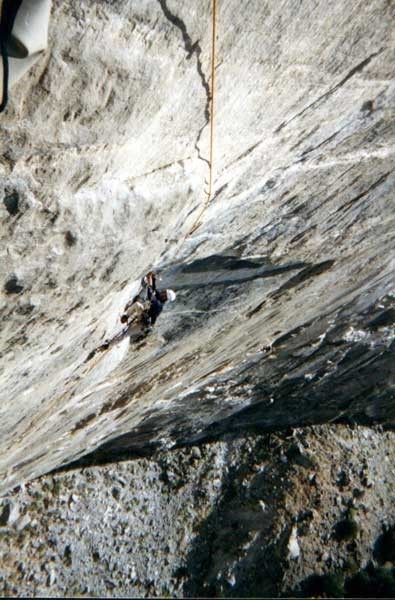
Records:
x=285, y=309
x=219, y=520
x=105, y=146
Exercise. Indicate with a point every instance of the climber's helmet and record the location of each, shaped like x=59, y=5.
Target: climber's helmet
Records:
x=171, y=296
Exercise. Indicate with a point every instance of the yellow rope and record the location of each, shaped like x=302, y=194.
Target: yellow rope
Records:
x=211, y=161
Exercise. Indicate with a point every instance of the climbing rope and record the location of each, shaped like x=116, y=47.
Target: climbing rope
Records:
x=210, y=183
x=212, y=98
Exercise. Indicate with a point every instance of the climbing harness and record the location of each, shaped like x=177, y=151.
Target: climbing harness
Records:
x=23, y=38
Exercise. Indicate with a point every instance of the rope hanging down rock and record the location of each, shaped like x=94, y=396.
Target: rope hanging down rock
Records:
x=212, y=98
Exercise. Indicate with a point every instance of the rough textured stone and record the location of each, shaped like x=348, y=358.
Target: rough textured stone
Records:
x=106, y=146
x=220, y=525
x=285, y=309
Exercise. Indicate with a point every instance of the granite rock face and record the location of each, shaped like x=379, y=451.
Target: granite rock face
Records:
x=247, y=516
x=285, y=304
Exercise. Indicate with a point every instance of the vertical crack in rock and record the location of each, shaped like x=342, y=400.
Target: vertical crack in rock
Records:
x=191, y=49
x=357, y=69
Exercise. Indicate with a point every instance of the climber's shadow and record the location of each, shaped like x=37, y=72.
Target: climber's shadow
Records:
x=222, y=270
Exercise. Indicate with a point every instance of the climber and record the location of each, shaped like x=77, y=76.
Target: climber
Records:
x=139, y=314
x=144, y=313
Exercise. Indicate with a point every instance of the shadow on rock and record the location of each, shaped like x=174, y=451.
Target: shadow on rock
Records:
x=371, y=582
x=224, y=270
x=239, y=550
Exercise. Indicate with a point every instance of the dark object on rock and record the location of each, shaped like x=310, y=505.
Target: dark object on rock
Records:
x=384, y=549
x=11, y=202
x=295, y=454
x=67, y=555
x=25, y=309
x=343, y=479
x=90, y=355
x=372, y=582
x=13, y=286
x=368, y=106
x=116, y=493
x=386, y=318
x=51, y=283
x=330, y=585
x=70, y=239
x=346, y=529
x=5, y=515
x=104, y=346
